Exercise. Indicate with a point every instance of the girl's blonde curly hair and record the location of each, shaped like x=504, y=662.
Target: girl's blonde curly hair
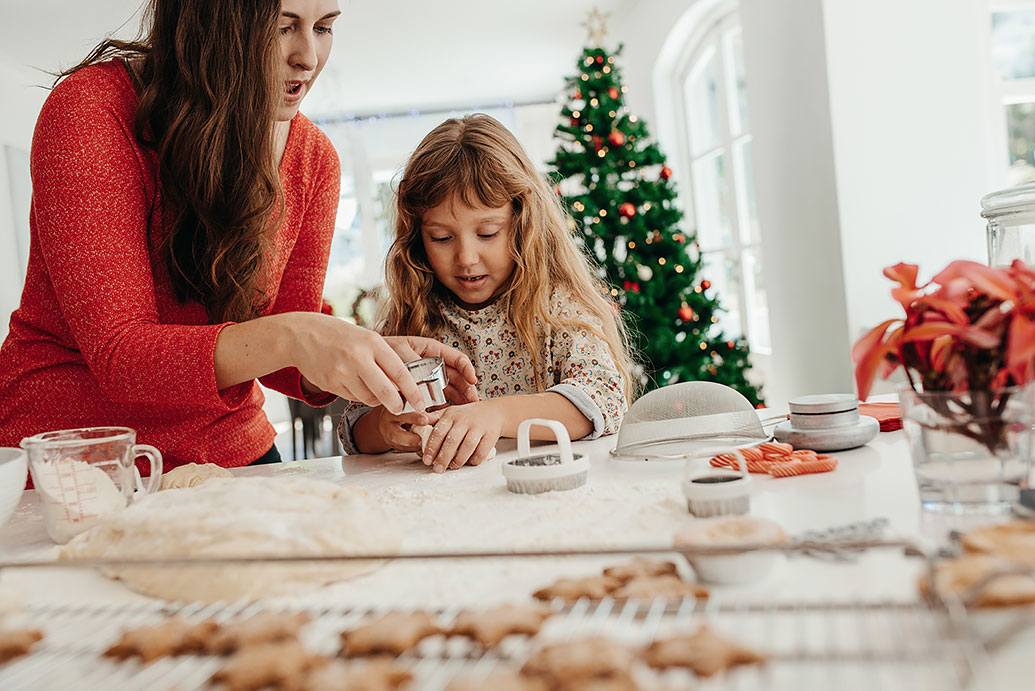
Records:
x=477, y=161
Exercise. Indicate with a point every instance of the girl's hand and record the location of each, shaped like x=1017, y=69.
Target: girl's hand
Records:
x=395, y=429
x=463, y=434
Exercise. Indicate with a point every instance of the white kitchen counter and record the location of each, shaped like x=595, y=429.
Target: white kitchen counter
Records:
x=623, y=503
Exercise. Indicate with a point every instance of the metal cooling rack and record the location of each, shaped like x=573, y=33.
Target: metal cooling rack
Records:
x=838, y=645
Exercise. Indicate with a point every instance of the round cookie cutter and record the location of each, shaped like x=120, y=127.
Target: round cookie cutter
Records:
x=429, y=374
x=528, y=474
x=717, y=491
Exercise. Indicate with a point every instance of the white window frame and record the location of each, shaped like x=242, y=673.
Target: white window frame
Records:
x=1001, y=93
x=708, y=34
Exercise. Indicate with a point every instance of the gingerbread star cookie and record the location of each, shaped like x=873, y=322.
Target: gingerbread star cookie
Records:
x=667, y=587
x=572, y=589
x=375, y=675
x=493, y=625
x=265, y=627
x=15, y=643
x=169, y=638
x=704, y=651
x=283, y=665
x=595, y=657
x=640, y=567
x=394, y=633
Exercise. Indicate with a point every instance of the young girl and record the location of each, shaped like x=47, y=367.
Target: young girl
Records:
x=483, y=261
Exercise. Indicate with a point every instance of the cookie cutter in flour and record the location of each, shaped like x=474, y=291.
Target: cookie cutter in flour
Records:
x=528, y=474
x=429, y=374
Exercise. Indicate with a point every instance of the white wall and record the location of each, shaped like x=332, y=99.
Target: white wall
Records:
x=17, y=119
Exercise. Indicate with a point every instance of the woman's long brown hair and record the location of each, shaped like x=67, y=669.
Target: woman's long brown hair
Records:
x=206, y=75
x=476, y=160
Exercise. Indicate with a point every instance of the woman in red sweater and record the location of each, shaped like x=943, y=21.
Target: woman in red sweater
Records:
x=181, y=220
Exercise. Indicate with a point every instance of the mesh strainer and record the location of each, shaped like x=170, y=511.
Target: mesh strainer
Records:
x=684, y=419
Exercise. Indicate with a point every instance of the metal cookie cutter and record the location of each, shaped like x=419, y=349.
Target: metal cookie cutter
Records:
x=430, y=375
x=530, y=474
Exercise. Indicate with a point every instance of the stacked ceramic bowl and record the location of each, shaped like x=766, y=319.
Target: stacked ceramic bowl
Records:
x=826, y=422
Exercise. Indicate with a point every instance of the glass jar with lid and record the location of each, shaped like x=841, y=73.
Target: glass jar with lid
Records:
x=1011, y=224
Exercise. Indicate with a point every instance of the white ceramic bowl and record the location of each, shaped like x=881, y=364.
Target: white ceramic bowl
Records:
x=13, y=471
x=735, y=569
x=732, y=568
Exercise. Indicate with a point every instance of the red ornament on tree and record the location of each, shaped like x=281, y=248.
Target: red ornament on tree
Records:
x=686, y=313
x=578, y=95
x=730, y=344
x=597, y=142
x=575, y=122
x=614, y=93
x=666, y=172
x=617, y=138
x=679, y=237
x=706, y=284
x=632, y=286
x=600, y=59
x=627, y=210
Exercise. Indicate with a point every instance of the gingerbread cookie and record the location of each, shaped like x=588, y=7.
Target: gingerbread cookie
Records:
x=957, y=577
x=265, y=627
x=704, y=651
x=15, y=643
x=375, y=675
x=500, y=681
x=394, y=633
x=493, y=625
x=1013, y=541
x=640, y=567
x=572, y=589
x=283, y=665
x=564, y=664
x=169, y=638
x=667, y=587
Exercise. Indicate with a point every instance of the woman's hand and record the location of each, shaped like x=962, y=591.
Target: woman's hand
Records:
x=359, y=365
x=460, y=374
x=463, y=434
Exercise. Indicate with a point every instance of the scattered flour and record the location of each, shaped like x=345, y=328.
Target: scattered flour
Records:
x=74, y=496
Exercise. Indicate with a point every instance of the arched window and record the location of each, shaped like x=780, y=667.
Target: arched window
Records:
x=710, y=130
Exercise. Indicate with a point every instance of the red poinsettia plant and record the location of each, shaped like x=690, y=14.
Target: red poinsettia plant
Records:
x=970, y=328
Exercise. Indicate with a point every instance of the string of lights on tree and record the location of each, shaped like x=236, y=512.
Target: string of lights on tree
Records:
x=619, y=191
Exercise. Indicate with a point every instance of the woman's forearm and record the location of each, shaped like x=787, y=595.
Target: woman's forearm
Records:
x=253, y=349
x=549, y=405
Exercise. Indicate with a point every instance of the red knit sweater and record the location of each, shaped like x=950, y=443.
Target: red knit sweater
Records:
x=99, y=337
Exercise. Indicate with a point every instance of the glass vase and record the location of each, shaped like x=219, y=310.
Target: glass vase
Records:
x=971, y=450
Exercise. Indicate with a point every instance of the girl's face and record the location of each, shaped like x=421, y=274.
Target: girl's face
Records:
x=469, y=250
x=305, y=31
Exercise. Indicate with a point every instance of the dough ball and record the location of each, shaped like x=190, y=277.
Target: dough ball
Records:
x=192, y=475
x=242, y=517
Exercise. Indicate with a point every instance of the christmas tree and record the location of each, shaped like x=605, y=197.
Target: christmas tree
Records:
x=616, y=186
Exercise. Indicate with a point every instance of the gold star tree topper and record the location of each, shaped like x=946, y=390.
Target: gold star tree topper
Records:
x=596, y=26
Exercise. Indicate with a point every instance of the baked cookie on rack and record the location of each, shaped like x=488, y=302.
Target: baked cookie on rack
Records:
x=394, y=634
x=958, y=577
x=491, y=626
x=640, y=567
x=265, y=627
x=576, y=663
x=283, y=665
x=1013, y=541
x=705, y=652
x=15, y=643
x=165, y=639
x=667, y=587
x=572, y=589
x=373, y=675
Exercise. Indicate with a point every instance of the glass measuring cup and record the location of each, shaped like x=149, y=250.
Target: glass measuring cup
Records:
x=81, y=475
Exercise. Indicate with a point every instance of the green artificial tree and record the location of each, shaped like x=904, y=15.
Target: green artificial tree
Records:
x=616, y=185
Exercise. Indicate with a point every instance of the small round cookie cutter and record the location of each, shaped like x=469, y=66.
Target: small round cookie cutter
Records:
x=717, y=491
x=429, y=373
x=528, y=474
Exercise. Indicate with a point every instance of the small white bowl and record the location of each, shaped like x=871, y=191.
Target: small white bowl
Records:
x=13, y=471
x=732, y=568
